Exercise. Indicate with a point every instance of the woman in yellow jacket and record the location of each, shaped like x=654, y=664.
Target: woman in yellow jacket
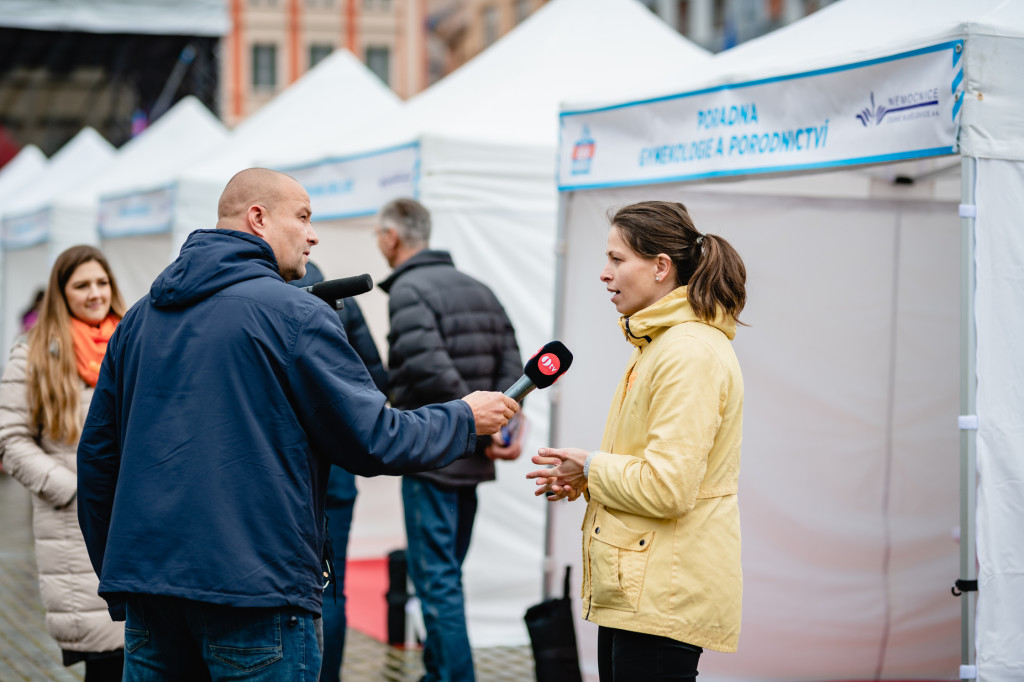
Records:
x=661, y=535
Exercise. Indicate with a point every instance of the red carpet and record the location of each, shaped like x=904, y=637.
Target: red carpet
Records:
x=366, y=582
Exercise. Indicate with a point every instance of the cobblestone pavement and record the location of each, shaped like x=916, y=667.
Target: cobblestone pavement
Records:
x=28, y=653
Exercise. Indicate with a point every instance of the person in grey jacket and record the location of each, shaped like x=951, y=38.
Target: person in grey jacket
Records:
x=449, y=334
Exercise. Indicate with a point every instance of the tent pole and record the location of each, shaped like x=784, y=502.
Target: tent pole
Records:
x=968, y=418
x=559, y=329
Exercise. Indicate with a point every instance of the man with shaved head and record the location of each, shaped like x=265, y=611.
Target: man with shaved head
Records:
x=223, y=400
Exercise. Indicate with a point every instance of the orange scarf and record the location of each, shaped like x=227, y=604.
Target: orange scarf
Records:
x=90, y=345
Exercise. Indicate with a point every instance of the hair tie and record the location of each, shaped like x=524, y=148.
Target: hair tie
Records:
x=700, y=239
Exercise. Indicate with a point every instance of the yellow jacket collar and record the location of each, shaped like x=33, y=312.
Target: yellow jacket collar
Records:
x=643, y=326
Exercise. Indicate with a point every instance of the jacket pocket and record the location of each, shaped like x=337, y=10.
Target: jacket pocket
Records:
x=618, y=562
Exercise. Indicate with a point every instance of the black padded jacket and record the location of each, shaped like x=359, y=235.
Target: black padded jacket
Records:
x=449, y=336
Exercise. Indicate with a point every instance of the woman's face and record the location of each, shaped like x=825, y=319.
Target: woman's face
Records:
x=88, y=293
x=630, y=277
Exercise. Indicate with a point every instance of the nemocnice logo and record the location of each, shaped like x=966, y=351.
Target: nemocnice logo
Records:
x=903, y=106
x=583, y=153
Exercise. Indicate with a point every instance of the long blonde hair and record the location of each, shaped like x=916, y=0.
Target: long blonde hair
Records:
x=52, y=381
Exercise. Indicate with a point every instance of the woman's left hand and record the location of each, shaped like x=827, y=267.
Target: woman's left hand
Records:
x=565, y=476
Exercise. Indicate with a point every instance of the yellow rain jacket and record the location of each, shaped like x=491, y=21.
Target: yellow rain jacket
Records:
x=661, y=536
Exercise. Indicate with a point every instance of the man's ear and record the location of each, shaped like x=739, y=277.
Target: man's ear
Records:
x=256, y=218
x=392, y=238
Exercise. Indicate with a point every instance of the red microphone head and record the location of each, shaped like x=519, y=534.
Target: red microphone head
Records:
x=547, y=364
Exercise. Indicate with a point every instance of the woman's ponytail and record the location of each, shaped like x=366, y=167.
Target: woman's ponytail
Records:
x=719, y=280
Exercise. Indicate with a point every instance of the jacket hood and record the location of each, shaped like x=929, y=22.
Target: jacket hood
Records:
x=210, y=261
x=644, y=326
x=423, y=258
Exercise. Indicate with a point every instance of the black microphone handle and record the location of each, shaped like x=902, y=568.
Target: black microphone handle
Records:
x=334, y=290
x=521, y=388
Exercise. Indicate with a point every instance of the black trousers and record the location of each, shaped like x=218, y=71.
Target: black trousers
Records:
x=624, y=656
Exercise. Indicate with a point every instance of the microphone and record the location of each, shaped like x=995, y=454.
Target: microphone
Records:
x=334, y=290
x=542, y=370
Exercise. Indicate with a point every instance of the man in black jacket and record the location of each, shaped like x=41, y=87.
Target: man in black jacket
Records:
x=449, y=335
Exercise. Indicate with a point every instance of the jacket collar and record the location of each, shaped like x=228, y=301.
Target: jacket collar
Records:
x=642, y=327
x=421, y=259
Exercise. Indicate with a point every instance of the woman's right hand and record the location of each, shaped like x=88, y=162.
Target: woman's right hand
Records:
x=564, y=476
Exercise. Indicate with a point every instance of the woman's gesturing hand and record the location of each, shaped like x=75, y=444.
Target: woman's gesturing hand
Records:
x=564, y=478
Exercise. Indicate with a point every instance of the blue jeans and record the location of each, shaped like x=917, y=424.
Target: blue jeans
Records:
x=339, y=521
x=168, y=638
x=438, y=526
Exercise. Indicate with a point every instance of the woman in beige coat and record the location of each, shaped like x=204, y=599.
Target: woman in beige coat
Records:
x=44, y=398
x=661, y=535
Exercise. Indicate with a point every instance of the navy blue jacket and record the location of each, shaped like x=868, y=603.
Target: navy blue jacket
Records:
x=222, y=401
x=341, y=488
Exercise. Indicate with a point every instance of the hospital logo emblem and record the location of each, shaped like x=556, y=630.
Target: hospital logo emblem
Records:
x=583, y=153
x=904, y=106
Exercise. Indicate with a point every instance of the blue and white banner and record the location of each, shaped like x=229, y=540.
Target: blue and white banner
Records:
x=139, y=213
x=27, y=230
x=899, y=107
x=359, y=185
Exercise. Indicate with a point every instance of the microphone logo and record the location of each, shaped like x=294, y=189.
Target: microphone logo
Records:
x=548, y=363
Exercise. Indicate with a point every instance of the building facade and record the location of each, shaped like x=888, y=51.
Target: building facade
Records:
x=273, y=42
x=461, y=29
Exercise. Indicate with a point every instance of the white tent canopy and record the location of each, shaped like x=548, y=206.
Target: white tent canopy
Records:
x=858, y=360
x=478, y=149
x=20, y=170
x=339, y=95
x=166, y=17
x=17, y=174
x=27, y=222
x=132, y=196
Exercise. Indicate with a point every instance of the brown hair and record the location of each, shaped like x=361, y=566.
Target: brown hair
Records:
x=53, y=384
x=705, y=263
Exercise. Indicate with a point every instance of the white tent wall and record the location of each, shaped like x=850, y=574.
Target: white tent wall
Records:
x=19, y=173
x=136, y=261
x=149, y=160
x=848, y=491
x=989, y=128
x=169, y=17
x=1000, y=367
x=25, y=271
x=493, y=207
x=20, y=170
x=334, y=98
x=27, y=220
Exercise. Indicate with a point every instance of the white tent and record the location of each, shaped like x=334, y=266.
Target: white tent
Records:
x=27, y=222
x=20, y=170
x=170, y=17
x=14, y=176
x=866, y=387
x=127, y=206
x=337, y=96
x=478, y=148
